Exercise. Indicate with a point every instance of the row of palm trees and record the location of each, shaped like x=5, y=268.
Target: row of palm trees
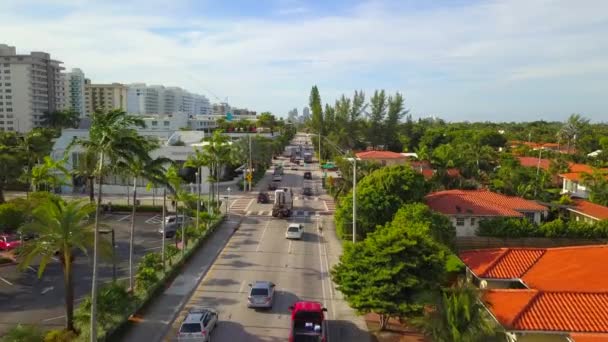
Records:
x=113, y=146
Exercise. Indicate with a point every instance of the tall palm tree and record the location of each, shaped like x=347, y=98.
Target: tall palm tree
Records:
x=218, y=149
x=140, y=167
x=51, y=173
x=62, y=227
x=197, y=161
x=458, y=316
x=85, y=169
x=175, y=182
x=112, y=136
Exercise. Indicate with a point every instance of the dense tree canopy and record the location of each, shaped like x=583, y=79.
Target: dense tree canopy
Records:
x=431, y=223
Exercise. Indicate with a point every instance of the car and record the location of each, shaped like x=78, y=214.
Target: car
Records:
x=263, y=197
x=9, y=242
x=261, y=294
x=294, y=231
x=198, y=325
x=272, y=186
x=276, y=178
x=294, y=167
x=307, y=175
x=172, y=224
x=307, y=191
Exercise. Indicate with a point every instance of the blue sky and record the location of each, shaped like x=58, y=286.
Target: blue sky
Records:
x=498, y=60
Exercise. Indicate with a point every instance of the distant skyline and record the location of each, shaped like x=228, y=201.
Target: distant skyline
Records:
x=496, y=60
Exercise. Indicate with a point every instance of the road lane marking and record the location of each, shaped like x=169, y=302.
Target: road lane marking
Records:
x=47, y=289
x=289, y=248
x=321, y=271
x=6, y=281
x=151, y=248
x=262, y=237
x=242, y=287
x=248, y=205
x=123, y=218
x=53, y=318
x=325, y=204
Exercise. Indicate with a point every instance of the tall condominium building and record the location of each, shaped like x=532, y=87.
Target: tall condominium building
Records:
x=221, y=108
x=156, y=99
x=30, y=85
x=74, y=82
x=104, y=96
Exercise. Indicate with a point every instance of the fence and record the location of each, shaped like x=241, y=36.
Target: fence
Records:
x=477, y=242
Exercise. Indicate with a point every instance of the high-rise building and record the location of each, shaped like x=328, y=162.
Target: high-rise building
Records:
x=30, y=85
x=104, y=96
x=201, y=105
x=305, y=114
x=221, y=108
x=157, y=99
x=74, y=82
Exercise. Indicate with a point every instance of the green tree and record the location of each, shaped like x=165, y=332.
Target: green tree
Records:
x=61, y=119
x=50, y=174
x=84, y=171
x=23, y=333
x=458, y=315
x=597, y=183
x=572, y=129
x=11, y=164
x=61, y=228
x=140, y=167
x=379, y=196
x=390, y=271
x=376, y=116
x=112, y=136
x=395, y=112
x=428, y=222
x=267, y=120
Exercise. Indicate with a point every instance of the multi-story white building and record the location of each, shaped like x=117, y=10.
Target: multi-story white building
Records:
x=104, y=96
x=74, y=82
x=30, y=85
x=160, y=100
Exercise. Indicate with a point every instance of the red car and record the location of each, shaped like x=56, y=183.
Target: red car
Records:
x=307, y=322
x=8, y=242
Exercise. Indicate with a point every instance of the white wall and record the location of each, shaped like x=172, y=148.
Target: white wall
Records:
x=574, y=188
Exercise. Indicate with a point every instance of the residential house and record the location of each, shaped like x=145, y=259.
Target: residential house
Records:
x=467, y=207
x=573, y=183
x=544, y=294
x=583, y=210
x=383, y=157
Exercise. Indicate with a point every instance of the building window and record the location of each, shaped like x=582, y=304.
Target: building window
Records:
x=166, y=123
x=472, y=221
x=154, y=123
x=9, y=110
x=460, y=221
x=529, y=216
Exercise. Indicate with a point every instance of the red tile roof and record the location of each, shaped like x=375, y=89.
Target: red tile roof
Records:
x=534, y=162
x=586, y=337
x=525, y=310
x=380, y=155
x=479, y=203
x=501, y=263
x=579, y=268
x=596, y=211
x=580, y=168
x=573, y=176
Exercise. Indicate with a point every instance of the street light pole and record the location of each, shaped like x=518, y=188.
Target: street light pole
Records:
x=198, y=199
x=250, y=162
x=354, y=200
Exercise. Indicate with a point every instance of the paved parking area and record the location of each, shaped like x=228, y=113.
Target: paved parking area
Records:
x=26, y=299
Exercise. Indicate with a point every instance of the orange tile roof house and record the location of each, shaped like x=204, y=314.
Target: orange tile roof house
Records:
x=587, y=211
x=573, y=180
x=467, y=207
x=383, y=157
x=544, y=294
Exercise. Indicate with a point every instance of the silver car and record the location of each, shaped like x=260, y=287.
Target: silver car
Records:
x=261, y=294
x=198, y=325
x=172, y=224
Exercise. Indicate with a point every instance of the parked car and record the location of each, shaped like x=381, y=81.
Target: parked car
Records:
x=307, y=191
x=272, y=186
x=263, y=197
x=261, y=294
x=307, y=175
x=294, y=231
x=172, y=224
x=294, y=167
x=198, y=325
x=277, y=178
x=8, y=242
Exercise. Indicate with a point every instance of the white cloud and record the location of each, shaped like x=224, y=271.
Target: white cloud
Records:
x=271, y=64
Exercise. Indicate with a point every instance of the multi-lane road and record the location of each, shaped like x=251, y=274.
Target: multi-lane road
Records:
x=300, y=270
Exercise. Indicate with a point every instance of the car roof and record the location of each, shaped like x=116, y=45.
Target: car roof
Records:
x=196, y=314
x=261, y=284
x=294, y=225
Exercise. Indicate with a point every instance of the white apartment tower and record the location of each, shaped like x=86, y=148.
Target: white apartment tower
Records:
x=30, y=85
x=160, y=100
x=74, y=91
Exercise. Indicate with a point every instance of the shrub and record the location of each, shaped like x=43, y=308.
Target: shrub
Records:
x=23, y=333
x=11, y=217
x=170, y=252
x=145, y=278
x=151, y=260
x=59, y=335
x=113, y=303
x=518, y=228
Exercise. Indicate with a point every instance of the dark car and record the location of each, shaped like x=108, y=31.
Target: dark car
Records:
x=263, y=197
x=272, y=186
x=307, y=192
x=307, y=175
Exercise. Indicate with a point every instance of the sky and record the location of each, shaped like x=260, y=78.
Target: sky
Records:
x=493, y=60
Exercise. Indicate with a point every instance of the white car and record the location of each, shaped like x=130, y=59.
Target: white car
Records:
x=294, y=231
x=198, y=325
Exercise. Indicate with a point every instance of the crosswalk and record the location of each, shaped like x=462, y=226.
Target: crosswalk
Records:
x=297, y=213
x=156, y=219
x=306, y=198
x=330, y=205
x=241, y=204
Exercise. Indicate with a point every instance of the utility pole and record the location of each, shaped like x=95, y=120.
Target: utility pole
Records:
x=354, y=200
x=250, y=162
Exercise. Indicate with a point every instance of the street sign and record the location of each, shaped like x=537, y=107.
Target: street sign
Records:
x=249, y=178
x=228, y=116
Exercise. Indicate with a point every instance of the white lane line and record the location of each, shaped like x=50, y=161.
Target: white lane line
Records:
x=6, y=281
x=151, y=248
x=262, y=237
x=326, y=207
x=321, y=271
x=47, y=289
x=33, y=269
x=242, y=287
x=124, y=218
x=248, y=213
x=289, y=248
x=53, y=318
x=248, y=205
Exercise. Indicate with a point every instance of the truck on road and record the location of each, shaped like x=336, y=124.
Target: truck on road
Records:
x=283, y=203
x=307, y=157
x=308, y=322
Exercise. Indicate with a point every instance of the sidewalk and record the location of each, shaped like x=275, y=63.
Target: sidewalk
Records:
x=154, y=323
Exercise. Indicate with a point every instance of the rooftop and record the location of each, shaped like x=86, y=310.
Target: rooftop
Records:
x=380, y=155
x=596, y=211
x=535, y=162
x=480, y=203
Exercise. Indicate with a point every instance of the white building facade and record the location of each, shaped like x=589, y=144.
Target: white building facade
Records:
x=159, y=100
x=30, y=85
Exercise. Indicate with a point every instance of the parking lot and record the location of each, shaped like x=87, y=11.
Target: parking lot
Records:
x=26, y=299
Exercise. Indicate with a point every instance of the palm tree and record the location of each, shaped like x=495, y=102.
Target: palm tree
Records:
x=51, y=173
x=218, y=149
x=111, y=136
x=175, y=185
x=85, y=169
x=62, y=227
x=458, y=316
x=140, y=167
x=572, y=129
x=197, y=161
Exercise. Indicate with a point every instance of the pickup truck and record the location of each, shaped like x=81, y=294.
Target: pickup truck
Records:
x=307, y=322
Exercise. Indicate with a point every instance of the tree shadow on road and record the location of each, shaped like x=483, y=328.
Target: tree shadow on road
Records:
x=341, y=330
x=237, y=264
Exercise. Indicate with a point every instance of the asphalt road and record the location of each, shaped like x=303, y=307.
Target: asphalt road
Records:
x=259, y=251
x=26, y=299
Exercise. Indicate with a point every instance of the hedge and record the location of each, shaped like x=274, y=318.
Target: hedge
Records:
x=518, y=228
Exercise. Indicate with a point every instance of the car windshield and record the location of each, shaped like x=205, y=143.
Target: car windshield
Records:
x=190, y=328
x=259, y=292
x=293, y=229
